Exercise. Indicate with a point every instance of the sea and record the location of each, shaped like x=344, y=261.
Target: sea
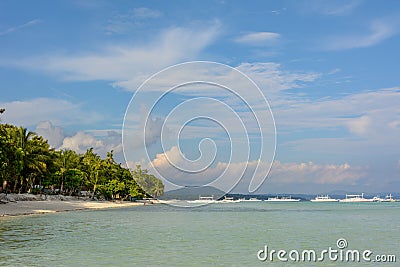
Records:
x=223, y=234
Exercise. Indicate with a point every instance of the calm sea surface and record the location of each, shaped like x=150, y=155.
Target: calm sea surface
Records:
x=228, y=234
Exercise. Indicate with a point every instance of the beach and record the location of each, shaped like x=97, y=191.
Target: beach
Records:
x=34, y=205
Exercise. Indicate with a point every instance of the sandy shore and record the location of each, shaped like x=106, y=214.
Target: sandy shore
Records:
x=40, y=207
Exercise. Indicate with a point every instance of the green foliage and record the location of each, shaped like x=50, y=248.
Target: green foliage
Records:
x=28, y=164
x=148, y=182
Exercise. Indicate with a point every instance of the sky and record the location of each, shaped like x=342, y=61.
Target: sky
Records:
x=326, y=86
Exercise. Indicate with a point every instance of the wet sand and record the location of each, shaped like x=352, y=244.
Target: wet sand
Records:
x=41, y=207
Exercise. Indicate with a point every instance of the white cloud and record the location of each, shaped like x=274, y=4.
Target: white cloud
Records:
x=271, y=78
x=291, y=173
x=172, y=167
x=359, y=126
x=144, y=13
x=259, y=38
x=334, y=71
x=361, y=121
x=378, y=106
x=123, y=22
x=140, y=128
x=19, y=27
x=54, y=134
x=32, y=112
x=163, y=160
x=281, y=173
x=122, y=62
x=279, y=11
x=394, y=124
x=334, y=8
x=80, y=142
x=379, y=31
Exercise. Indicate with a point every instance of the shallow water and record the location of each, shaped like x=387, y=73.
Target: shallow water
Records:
x=228, y=234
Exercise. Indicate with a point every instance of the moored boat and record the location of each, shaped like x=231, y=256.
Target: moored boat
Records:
x=282, y=199
x=325, y=198
x=229, y=200
x=252, y=199
x=204, y=200
x=388, y=198
x=356, y=199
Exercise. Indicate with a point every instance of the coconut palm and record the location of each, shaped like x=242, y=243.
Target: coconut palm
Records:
x=66, y=161
x=93, y=164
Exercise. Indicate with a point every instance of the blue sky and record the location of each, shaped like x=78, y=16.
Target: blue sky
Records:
x=329, y=70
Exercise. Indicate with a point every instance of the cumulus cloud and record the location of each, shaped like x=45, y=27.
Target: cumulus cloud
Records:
x=315, y=173
x=173, y=167
x=142, y=128
x=281, y=173
x=162, y=160
x=80, y=142
x=54, y=134
x=101, y=144
x=258, y=38
x=32, y=112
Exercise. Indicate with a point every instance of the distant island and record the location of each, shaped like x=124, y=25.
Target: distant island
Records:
x=192, y=193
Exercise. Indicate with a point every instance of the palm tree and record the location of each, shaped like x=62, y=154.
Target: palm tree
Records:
x=148, y=182
x=35, y=160
x=19, y=139
x=66, y=160
x=93, y=164
x=158, y=188
x=27, y=159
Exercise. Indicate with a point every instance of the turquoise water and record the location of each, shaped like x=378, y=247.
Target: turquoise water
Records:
x=214, y=235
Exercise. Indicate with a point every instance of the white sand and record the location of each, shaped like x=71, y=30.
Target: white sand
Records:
x=41, y=207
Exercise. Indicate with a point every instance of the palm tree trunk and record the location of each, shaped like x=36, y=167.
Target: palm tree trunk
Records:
x=5, y=186
x=62, y=184
x=15, y=185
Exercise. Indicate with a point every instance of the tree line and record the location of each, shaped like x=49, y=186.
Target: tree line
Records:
x=29, y=165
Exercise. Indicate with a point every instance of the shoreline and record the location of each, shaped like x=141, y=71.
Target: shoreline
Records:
x=37, y=207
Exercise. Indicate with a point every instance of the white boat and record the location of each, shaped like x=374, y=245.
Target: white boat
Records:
x=356, y=198
x=252, y=199
x=388, y=198
x=324, y=199
x=229, y=200
x=377, y=199
x=282, y=199
x=204, y=200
